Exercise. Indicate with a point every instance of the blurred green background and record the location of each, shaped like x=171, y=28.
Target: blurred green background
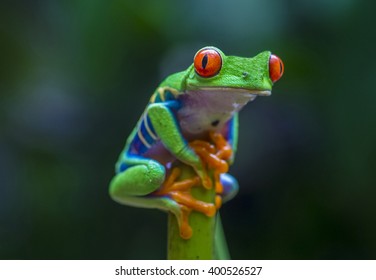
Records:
x=76, y=75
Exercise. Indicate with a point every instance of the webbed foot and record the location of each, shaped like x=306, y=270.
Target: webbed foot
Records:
x=180, y=192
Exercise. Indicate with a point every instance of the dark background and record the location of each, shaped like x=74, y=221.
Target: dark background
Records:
x=76, y=75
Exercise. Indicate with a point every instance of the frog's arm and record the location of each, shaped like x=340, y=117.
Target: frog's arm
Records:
x=166, y=127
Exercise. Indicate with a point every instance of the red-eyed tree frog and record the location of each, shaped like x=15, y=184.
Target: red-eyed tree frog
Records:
x=197, y=104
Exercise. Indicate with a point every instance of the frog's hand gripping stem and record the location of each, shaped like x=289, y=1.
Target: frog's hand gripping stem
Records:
x=214, y=157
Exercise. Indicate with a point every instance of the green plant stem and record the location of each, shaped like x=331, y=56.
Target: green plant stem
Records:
x=201, y=246
x=221, y=249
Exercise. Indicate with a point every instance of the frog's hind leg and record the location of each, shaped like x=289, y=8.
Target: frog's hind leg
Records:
x=136, y=176
x=136, y=180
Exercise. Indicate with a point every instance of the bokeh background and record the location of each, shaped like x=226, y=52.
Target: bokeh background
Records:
x=76, y=75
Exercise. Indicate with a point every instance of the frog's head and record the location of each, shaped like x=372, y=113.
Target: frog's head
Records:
x=213, y=70
x=216, y=86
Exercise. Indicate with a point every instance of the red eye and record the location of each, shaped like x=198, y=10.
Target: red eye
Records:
x=275, y=68
x=207, y=62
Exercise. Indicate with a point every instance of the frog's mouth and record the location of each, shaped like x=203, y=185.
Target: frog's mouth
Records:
x=252, y=92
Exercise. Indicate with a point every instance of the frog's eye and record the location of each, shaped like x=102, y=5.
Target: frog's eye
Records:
x=207, y=62
x=275, y=68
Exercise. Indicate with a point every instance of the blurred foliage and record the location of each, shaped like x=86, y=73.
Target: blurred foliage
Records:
x=76, y=75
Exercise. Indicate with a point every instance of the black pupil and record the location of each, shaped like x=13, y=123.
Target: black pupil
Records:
x=204, y=61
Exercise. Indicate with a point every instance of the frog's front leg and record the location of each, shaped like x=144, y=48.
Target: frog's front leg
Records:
x=165, y=124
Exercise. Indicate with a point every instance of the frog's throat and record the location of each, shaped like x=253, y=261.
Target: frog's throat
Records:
x=209, y=108
x=254, y=92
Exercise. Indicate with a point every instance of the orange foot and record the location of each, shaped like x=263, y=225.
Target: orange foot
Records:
x=224, y=150
x=179, y=191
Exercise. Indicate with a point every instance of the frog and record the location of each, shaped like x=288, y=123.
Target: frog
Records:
x=201, y=103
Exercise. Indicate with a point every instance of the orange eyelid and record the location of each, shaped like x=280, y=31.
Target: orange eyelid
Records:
x=276, y=68
x=207, y=62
